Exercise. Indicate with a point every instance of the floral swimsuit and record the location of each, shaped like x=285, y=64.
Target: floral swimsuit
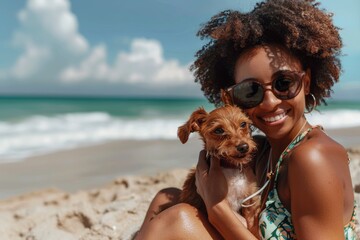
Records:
x=275, y=220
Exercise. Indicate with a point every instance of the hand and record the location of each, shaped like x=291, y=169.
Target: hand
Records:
x=210, y=181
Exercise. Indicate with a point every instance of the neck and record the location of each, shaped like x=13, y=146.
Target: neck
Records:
x=278, y=146
x=226, y=164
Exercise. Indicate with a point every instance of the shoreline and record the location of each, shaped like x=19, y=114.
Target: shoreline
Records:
x=92, y=166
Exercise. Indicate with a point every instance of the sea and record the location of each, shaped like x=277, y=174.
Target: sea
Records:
x=32, y=126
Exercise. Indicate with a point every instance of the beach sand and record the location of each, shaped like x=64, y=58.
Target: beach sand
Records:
x=103, y=191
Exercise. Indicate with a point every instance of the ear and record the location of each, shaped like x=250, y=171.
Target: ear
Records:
x=307, y=81
x=225, y=97
x=192, y=125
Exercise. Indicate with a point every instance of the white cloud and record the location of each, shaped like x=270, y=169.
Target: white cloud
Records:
x=53, y=50
x=49, y=39
x=94, y=67
x=171, y=70
x=145, y=50
x=30, y=61
x=144, y=64
x=51, y=22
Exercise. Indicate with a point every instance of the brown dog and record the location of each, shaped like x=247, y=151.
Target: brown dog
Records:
x=226, y=134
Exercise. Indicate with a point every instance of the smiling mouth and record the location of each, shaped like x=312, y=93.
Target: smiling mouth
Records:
x=274, y=118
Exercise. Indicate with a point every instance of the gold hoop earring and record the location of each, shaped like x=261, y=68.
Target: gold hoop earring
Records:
x=313, y=105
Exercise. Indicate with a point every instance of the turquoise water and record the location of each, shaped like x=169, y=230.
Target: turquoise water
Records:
x=18, y=108
x=336, y=105
x=36, y=125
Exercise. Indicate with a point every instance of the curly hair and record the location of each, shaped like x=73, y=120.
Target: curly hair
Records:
x=299, y=25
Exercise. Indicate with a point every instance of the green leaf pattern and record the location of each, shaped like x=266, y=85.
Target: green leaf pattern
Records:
x=275, y=220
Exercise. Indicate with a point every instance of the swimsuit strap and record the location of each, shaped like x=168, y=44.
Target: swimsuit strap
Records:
x=287, y=150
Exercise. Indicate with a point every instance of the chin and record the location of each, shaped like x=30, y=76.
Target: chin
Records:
x=276, y=131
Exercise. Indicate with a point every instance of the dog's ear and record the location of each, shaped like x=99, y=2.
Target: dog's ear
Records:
x=192, y=125
x=225, y=97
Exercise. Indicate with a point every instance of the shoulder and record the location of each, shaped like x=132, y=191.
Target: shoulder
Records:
x=318, y=150
x=317, y=172
x=318, y=162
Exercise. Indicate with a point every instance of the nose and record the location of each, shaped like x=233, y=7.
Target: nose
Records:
x=270, y=100
x=243, y=148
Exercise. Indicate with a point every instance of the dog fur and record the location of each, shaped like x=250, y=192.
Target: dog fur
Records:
x=226, y=134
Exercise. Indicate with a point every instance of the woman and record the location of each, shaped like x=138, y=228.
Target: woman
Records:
x=276, y=62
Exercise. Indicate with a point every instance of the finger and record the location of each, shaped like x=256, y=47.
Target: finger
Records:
x=201, y=170
x=197, y=185
x=202, y=164
x=215, y=164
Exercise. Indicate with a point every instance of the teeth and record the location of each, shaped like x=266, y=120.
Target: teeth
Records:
x=275, y=118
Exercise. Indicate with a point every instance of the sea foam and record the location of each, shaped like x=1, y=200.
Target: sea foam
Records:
x=43, y=134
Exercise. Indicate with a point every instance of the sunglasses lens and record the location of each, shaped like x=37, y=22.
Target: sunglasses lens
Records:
x=286, y=87
x=248, y=94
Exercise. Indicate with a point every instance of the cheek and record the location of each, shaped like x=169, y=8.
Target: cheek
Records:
x=250, y=114
x=299, y=101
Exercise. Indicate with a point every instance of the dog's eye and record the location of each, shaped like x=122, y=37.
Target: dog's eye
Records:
x=219, y=131
x=243, y=125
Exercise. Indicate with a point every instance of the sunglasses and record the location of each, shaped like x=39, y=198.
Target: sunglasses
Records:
x=250, y=93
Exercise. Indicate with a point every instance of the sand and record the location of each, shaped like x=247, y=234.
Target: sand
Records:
x=93, y=166
x=103, y=191
x=114, y=211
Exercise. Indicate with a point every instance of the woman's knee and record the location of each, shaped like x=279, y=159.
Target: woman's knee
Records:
x=166, y=198
x=178, y=220
x=191, y=222
x=170, y=194
x=181, y=221
x=183, y=211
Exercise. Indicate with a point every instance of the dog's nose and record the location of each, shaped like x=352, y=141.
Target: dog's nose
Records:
x=243, y=148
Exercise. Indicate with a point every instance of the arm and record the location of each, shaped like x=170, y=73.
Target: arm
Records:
x=220, y=214
x=316, y=191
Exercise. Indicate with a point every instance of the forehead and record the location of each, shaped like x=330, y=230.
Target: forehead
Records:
x=265, y=59
x=227, y=114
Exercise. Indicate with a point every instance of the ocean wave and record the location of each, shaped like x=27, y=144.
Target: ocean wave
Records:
x=332, y=119
x=43, y=134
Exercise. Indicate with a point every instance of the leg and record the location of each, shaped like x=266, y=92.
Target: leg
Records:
x=165, y=198
x=181, y=221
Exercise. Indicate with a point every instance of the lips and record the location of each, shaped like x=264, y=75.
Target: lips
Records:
x=274, y=118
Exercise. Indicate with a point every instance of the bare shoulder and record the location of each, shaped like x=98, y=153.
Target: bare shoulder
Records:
x=320, y=184
x=319, y=149
x=319, y=161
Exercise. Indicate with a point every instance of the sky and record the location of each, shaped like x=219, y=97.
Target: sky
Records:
x=128, y=47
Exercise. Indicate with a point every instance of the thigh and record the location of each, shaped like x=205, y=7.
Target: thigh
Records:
x=181, y=221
